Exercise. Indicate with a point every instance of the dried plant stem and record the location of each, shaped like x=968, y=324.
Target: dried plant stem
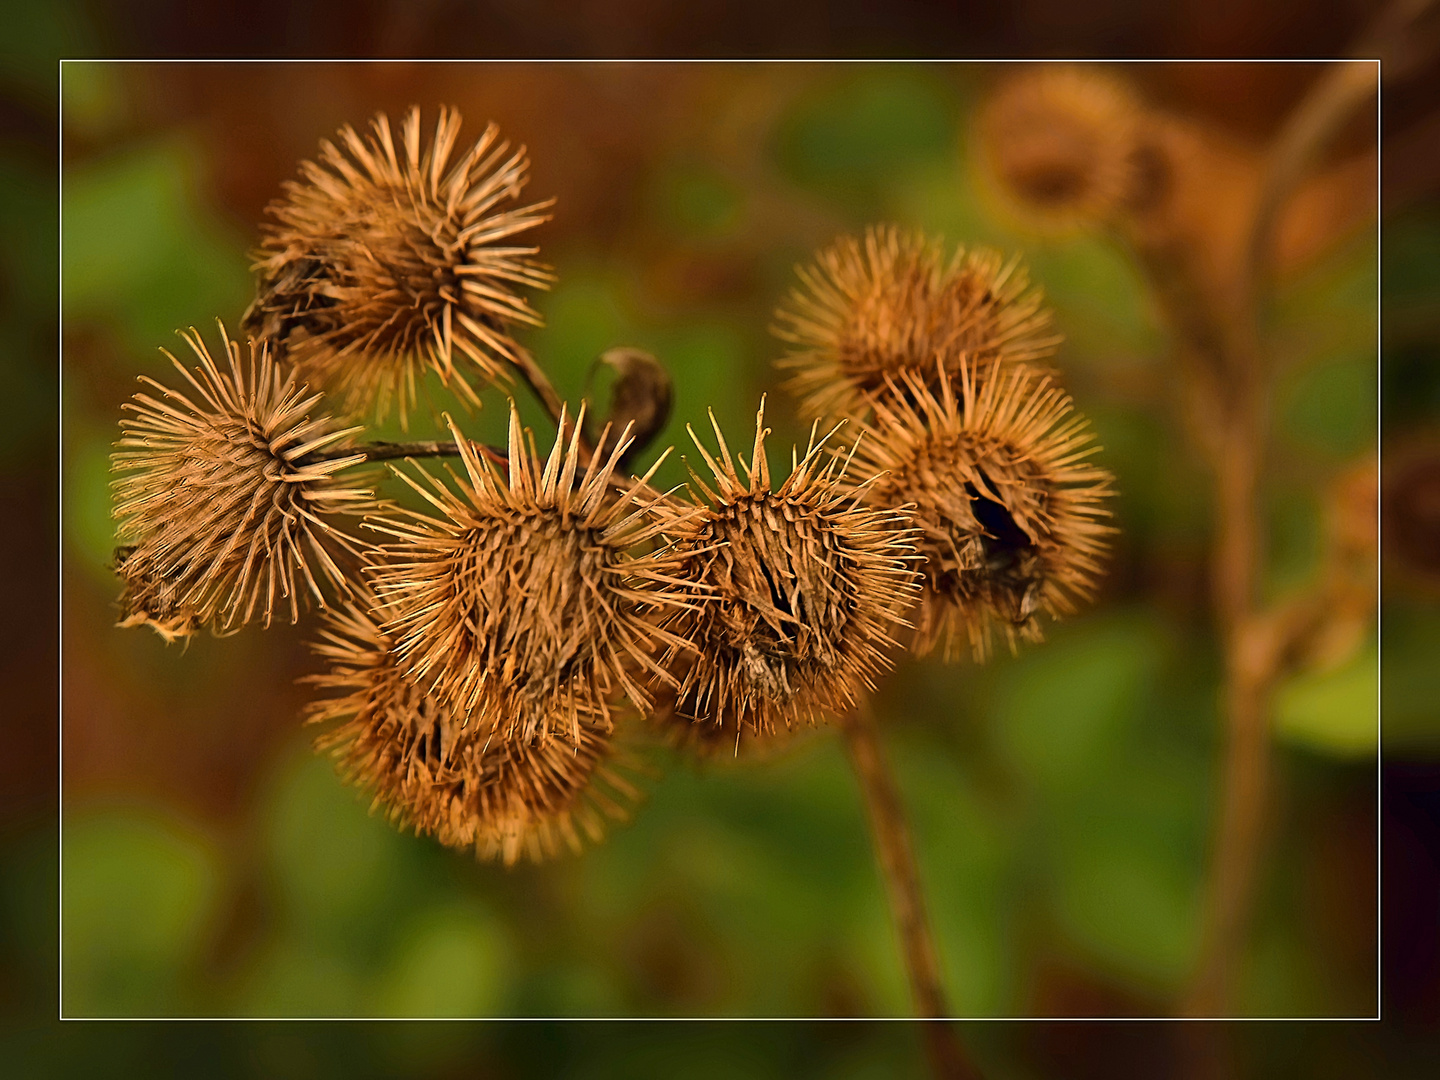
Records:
x=390, y=451
x=533, y=375
x=1239, y=398
x=1321, y=114
x=1245, y=771
x=895, y=856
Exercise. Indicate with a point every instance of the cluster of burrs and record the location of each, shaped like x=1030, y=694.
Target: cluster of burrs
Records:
x=488, y=644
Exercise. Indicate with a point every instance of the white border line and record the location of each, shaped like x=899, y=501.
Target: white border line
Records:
x=1379, y=345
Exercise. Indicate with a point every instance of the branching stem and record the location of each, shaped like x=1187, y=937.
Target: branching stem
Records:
x=1239, y=404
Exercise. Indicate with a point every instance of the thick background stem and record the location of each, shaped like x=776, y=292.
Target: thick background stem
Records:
x=895, y=855
x=1240, y=405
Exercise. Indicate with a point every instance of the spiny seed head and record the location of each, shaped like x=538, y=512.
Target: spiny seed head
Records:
x=442, y=777
x=1007, y=506
x=523, y=606
x=870, y=311
x=1064, y=144
x=221, y=515
x=388, y=260
x=714, y=741
x=803, y=590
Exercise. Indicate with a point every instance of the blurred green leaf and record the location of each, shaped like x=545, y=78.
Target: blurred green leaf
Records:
x=448, y=962
x=88, y=524
x=139, y=895
x=849, y=140
x=295, y=978
x=1331, y=407
x=968, y=854
x=1102, y=305
x=92, y=97
x=1295, y=538
x=1130, y=900
x=585, y=314
x=698, y=201
x=1336, y=713
x=1062, y=714
x=142, y=252
x=340, y=871
x=708, y=362
x=1281, y=976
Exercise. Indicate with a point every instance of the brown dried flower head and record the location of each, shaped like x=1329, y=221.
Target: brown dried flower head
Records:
x=388, y=260
x=221, y=516
x=871, y=311
x=1008, y=508
x=1065, y=144
x=523, y=606
x=445, y=778
x=721, y=739
x=804, y=588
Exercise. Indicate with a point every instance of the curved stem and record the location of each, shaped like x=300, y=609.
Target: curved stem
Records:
x=1251, y=668
x=387, y=451
x=533, y=375
x=1319, y=117
x=895, y=855
x=540, y=385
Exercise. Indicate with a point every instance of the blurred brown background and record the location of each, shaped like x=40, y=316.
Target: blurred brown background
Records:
x=630, y=152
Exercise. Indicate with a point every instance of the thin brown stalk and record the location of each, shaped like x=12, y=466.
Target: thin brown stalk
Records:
x=895, y=856
x=1252, y=660
x=533, y=375
x=388, y=451
x=1334, y=99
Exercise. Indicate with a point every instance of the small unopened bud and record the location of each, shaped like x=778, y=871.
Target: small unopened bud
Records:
x=640, y=401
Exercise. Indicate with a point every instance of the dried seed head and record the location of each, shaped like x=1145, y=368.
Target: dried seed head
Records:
x=445, y=778
x=1065, y=144
x=221, y=515
x=871, y=312
x=720, y=740
x=388, y=260
x=1007, y=506
x=522, y=605
x=804, y=588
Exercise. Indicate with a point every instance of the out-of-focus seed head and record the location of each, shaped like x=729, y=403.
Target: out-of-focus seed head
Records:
x=525, y=606
x=1065, y=145
x=222, y=516
x=387, y=260
x=868, y=312
x=1009, y=510
x=445, y=778
x=803, y=586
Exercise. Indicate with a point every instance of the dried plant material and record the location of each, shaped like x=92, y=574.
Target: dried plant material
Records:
x=1065, y=145
x=523, y=606
x=387, y=261
x=804, y=589
x=640, y=399
x=223, y=519
x=445, y=778
x=871, y=311
x=1007, y=506
x=723, y=740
